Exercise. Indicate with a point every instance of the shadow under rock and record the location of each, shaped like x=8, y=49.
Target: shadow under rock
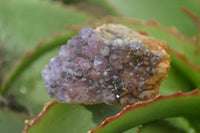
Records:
x=101, y=111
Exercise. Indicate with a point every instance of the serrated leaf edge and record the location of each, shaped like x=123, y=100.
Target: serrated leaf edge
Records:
x=29, y=123
x=140, y=104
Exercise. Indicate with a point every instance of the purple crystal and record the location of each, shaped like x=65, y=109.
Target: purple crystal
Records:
x=92, y=69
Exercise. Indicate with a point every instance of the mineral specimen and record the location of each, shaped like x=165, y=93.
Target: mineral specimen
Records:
x=111, y=64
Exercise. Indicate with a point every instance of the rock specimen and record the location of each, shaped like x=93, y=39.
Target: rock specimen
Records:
x=111, y=64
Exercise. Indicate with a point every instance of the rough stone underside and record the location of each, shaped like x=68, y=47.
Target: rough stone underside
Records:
x=111, y=64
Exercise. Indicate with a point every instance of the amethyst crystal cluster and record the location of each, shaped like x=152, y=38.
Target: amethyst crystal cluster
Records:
x=104, y=65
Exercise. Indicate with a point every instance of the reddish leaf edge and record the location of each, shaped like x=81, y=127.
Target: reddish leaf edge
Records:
x=171, y=30
x=47, y=106
x=29, y=123
x=184, y=58
x=196, y=20
x=111, y=19
x=193, y=16
x=140, y=104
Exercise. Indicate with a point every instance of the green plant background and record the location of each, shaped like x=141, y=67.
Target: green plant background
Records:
x=27, y=26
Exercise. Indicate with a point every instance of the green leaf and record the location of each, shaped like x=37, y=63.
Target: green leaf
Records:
x=160, y=126
x=165, y=12
x=27, y=22
x=174, y=82
x=22, y=25
x=169, y=125
x=178, y=104
x=97, y=8
x=73, y=118
x=11, y=122
x=106, y=6
x=30, y=58
x=195, y=123
x=190, y=73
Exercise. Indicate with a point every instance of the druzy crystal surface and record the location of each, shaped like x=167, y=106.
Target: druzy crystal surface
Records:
x=111, y=64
